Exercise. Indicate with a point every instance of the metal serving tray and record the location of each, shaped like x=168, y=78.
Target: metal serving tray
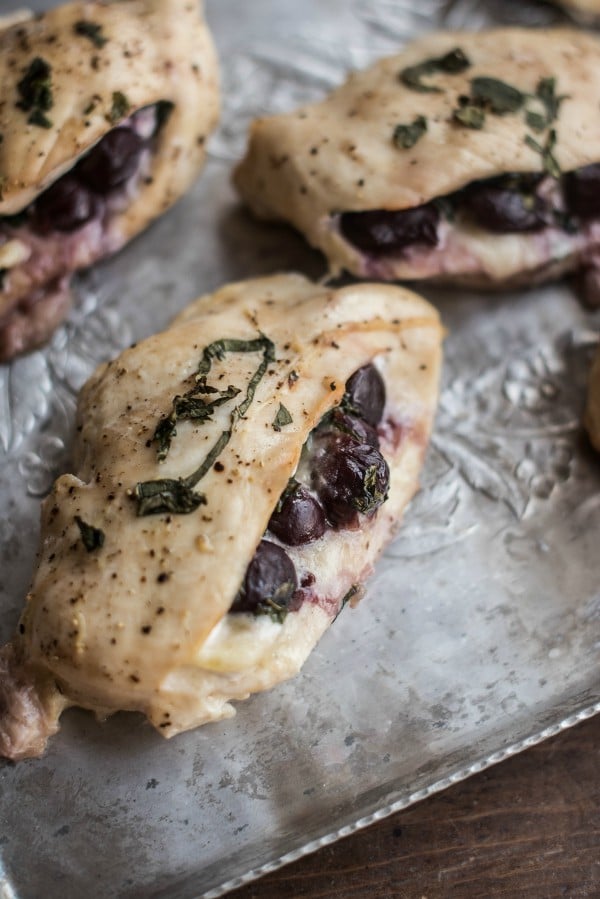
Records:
x=480, y=632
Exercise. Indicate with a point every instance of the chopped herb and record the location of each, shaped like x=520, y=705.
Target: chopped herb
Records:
x=290, y=488
x=535, y=120
x=276, y=610
x=470, y=116
x=545, y=92
x=452, y=63
x=178, y=495
x=497, y=96
x=406, y=136
x=91, y=537
x=354, y=589
x=282, y=418
x=35, y=91
x=352, y=592
x=167, y=495
x=120, y=107
x=35, y=87
x=40, y=119
x=92, y=104
x=372, y=497
x=163, y=434
x=549, y=161
x=92, y=31
x=192, y=407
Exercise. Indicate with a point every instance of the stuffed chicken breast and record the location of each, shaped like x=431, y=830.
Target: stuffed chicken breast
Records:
x=236, y=477
x=104, y=113
x=470, y=158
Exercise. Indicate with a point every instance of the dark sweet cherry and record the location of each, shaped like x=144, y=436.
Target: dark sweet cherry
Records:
x=349, y=478
x=582, y=191
x=299, y=518
x=381, y=232
x=112, y=161
x=65, y=206
x=346, y=423
x=270, y=580
x=365, y=391
x=503, y=208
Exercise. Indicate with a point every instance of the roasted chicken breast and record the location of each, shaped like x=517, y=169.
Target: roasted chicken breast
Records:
x=235, y=479
x=104, y=113
x=469, y=158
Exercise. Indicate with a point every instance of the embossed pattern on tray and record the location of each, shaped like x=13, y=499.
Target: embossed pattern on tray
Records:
x=480, y=632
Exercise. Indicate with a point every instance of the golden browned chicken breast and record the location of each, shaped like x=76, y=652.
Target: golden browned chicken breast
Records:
x=235, y=479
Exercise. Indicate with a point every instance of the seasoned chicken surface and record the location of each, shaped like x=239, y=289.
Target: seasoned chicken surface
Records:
x=104, y=113
x=467, y=158
x=235, y=479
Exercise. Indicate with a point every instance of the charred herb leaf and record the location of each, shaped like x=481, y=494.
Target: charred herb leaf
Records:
x=92, y=31
x=549, y=161
x=120, y=107
x=282, y=418
x=452, y=63
x=35, y=91
x=91, y=537
x=406, y=136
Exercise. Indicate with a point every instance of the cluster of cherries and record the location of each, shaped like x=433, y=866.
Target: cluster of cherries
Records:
x=349, y=477
x=508, y=204
x=78, y=196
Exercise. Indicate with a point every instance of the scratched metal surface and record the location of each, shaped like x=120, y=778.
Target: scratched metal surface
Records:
x=480, y=632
